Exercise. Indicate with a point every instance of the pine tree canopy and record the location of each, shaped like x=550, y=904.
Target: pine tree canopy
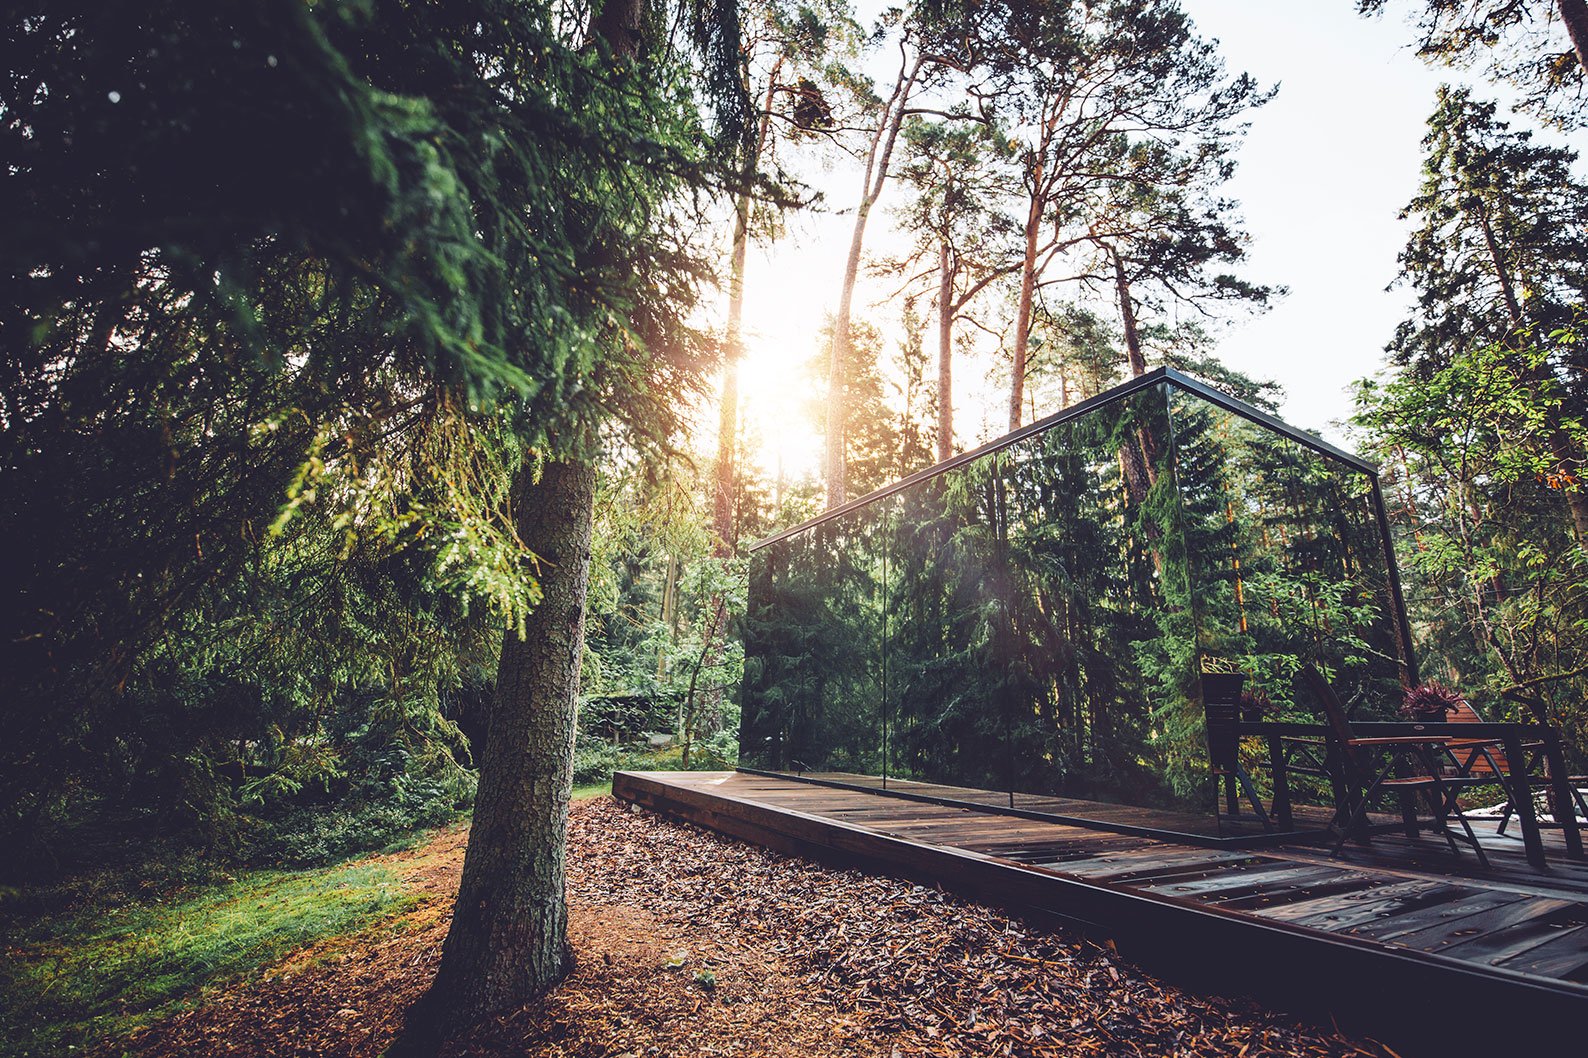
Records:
x=288, y=290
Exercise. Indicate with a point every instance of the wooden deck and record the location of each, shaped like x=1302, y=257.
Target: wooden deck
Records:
x=1379, y=938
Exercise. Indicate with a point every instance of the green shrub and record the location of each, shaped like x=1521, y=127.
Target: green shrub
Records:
x=595, y=761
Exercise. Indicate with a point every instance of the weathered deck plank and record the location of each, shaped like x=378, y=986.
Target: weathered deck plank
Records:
x=1385, y=917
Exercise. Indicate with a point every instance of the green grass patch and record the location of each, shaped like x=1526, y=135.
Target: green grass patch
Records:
x=70, y=980
x=593, y=789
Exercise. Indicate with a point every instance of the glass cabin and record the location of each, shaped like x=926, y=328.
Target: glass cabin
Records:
x=1028, y=626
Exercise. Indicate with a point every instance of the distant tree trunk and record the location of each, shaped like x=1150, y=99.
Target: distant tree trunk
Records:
x=1562, y=446
x=837, y=380
x=724, y=518
x=1140, y=461
x=722, y=515
x=945, y=353
x=1028, y=287
x=878, y=160
x=620, y=25
x=691, y=711
x=1513, y=307
x=1127, y=317
x=1574, y=13
x=1134, y=470
x=669, y=612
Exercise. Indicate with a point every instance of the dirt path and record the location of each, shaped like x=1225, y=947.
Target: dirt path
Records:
x=690, y=944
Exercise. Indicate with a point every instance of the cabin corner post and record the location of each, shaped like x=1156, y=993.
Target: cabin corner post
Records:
x=1403, y=627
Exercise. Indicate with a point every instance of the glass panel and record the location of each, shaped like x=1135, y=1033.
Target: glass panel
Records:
x=1288, y=562
x=1289, y=567
x=947, y=672
x=1104, y=636
x=813, y=633
x=1027, y=629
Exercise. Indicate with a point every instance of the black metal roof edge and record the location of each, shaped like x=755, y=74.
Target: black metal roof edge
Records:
x=1273, y=422
x=1119, y=392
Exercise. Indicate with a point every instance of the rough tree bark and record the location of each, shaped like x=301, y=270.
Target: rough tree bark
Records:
x=508, y=941
x=1127, y=317
x=1138, y=461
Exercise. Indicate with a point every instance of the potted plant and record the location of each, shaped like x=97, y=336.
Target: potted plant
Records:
x=1255, y=705
x=1430, y=703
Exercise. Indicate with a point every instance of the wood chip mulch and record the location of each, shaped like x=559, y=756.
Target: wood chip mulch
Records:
x=690, y=944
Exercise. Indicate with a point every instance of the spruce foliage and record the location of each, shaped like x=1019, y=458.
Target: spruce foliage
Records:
x=293, y=291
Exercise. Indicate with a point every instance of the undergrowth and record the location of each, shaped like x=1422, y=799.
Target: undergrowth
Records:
x=594, y=761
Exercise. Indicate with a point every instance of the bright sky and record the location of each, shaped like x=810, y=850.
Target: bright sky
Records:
x=1327, y=165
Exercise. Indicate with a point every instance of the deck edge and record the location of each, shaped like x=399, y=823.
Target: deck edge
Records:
x=1355, y=980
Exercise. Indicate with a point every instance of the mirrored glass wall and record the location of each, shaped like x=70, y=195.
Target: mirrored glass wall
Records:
x=1026, y=627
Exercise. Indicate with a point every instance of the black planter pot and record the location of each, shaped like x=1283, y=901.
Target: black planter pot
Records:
x=1221, y=695
x=1222, y=688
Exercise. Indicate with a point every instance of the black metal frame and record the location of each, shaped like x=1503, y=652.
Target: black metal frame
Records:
x=1403, y=625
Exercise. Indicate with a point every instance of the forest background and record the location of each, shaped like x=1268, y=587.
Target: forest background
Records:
x=257, y=490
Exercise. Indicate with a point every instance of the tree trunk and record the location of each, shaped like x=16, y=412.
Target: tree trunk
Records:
x=1133, y=469
x=722, y=519
x=837, y=375
x=1513, y=308
x=508, y=941
x=1127, y=317
x=1574, y=13
x=669, y=612
x=620, y=25
x=878, y=160
x=945, y=354
x=722, y=514
x=1141, y=462
x=1028, y=287
x=691, y=711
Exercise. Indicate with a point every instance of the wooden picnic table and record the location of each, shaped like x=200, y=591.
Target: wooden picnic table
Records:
x=1517, y=783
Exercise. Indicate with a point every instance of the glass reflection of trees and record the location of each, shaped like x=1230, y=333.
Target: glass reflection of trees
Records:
x=1027, y=626
x=1101, y=628
x=947, y=648
x=813, y=698
x=1289, y=561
